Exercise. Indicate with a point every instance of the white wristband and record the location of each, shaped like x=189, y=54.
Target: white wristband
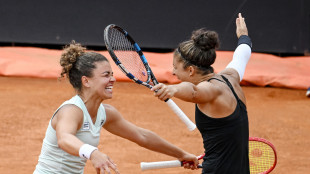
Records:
x=240, y=59
x=86, y=150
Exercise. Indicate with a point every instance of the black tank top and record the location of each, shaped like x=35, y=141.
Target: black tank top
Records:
x=226, y=140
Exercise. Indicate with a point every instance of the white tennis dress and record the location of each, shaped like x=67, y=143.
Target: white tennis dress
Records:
x=53, y=159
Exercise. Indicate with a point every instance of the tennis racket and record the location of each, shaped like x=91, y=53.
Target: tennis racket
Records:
x=128, y=56
x=165, y=164
x=262, y=157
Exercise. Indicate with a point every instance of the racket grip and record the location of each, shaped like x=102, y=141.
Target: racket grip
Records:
x=190, y=125
x=160, y=165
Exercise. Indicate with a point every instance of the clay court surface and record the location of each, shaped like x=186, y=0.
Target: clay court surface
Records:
x=279, y=115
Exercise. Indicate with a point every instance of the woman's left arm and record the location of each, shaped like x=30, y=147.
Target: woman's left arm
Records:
x=242, y=53
x=117, y=125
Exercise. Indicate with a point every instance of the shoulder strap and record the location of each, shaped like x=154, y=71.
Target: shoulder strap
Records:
x=215, y=79
x=230, y=86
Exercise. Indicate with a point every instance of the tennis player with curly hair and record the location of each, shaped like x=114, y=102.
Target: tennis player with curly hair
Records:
x=72, y=135
x=221, y=113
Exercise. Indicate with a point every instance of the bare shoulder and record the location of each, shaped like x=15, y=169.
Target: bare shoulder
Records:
x=111, y=112
x=231, y=74
x=208, y=87
x=69, y=110
x=109, y=108
x=207, y=92
x=233, y=77
x=68, y=114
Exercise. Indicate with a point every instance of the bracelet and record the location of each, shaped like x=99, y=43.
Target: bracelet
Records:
x=244, y=39
x=86, y=150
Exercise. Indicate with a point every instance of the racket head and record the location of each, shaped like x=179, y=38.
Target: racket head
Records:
x=262, y=156
x=127, y=55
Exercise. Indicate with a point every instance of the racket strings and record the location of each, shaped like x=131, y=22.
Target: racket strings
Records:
x=127, y=55
x=261, y=156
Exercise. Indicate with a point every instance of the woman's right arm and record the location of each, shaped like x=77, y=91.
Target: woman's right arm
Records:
x=202, y=93
x=66, y=123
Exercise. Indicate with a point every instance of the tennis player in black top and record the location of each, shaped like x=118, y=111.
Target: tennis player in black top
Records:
x=221, y=114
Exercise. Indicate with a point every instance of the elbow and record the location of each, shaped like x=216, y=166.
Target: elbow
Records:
x=61, y=143
x=194, y=95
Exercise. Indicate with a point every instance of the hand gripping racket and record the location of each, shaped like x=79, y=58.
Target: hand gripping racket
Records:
x=262, y=157
x=165, y=164
x=128, y=56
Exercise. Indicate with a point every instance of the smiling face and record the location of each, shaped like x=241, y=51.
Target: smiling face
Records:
x=101, y=83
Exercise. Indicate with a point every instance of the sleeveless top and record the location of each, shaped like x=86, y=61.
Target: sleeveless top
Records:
x=53, y=159
x=225, y=139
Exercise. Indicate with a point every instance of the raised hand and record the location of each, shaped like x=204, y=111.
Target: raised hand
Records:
x=241, y=28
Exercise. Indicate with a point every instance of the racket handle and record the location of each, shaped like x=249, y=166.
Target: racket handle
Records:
x=190, y=125
x=160, y=165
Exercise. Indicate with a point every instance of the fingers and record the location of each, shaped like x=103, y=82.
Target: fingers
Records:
x=161, y=91
x=242, y=21
x=163, y=95
x=113, y=166
x=190, y=161
x=157, y=87
x=241, y=28
x=188, y=165
x=106, y=168
x=238, y=22
x=103, y=164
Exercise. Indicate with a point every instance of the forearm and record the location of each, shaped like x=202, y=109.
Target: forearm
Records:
x=155, y=143
x=185, y=91
x=70, y=144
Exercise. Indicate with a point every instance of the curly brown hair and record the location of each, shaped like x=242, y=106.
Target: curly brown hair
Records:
x=76, y=62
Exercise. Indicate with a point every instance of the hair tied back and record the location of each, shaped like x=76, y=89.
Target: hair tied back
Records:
x=205, y=39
